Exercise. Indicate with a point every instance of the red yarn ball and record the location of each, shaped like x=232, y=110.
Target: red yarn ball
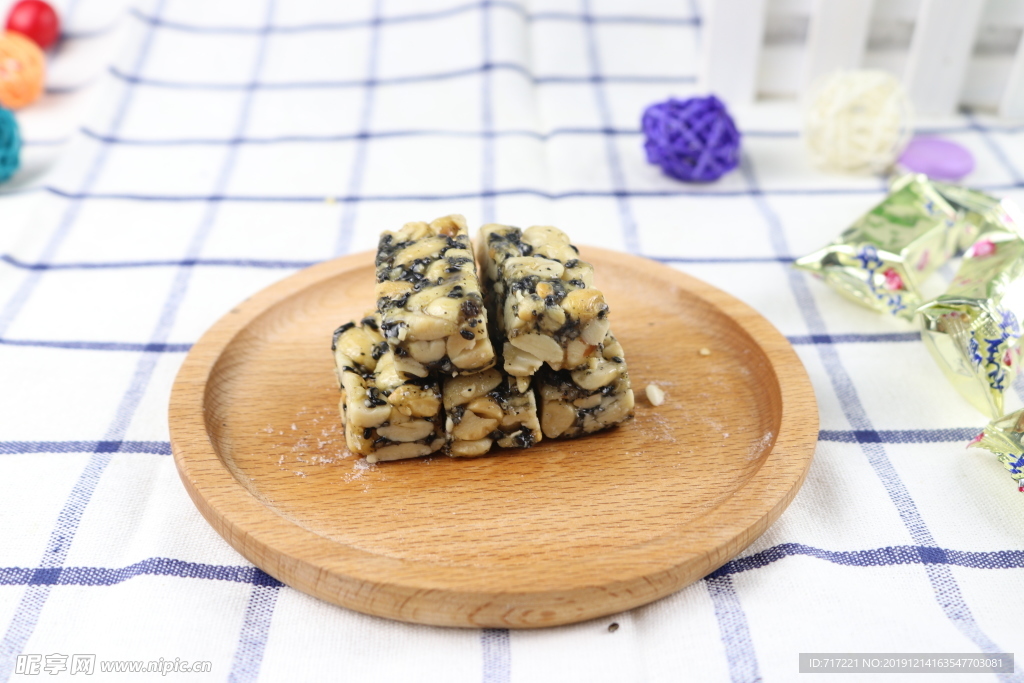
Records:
x=36, y=20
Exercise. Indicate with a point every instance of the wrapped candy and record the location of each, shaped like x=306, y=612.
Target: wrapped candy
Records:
x=1003, y=437
x=980, y=212
x=884, y=257
x=971, y=330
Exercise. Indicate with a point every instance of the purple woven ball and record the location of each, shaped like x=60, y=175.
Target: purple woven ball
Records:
x=693, y=140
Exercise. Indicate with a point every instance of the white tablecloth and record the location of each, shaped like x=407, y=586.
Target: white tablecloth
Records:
x=230, y=144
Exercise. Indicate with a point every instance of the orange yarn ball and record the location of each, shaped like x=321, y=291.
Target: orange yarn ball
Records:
x=22, y=70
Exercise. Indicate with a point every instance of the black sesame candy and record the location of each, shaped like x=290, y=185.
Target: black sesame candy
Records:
x=338, y=332
x=472, y=306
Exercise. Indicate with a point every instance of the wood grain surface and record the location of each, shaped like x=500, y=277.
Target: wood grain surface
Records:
x=555, y=534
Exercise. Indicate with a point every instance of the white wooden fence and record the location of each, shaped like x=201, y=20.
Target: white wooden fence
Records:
x=948, y=53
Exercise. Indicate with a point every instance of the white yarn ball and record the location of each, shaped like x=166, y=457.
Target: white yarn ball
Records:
x=857, y=121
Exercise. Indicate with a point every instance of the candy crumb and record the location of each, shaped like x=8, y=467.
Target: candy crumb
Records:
x=655, y=394
x=705, y=351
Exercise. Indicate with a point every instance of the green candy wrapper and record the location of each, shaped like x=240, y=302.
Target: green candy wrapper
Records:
x=971, y=330
x=882, y=259
x=1003, y=437
x=980, y=212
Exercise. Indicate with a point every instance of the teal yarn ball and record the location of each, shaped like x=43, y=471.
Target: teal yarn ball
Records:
x=10, y=145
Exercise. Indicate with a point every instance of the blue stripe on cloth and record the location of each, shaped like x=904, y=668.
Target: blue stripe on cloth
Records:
x=267, y=263
x=488, y=200
x=329, y=26
x=496, y=649
x=399, y=80
x=259, y=613
x=516, y=191
x=928, y=130
x=469, y=194
x=260, y=610
x=494, y=643
x=542, y=136
x=213, y=262
x=630, y=236
x=82, y=34
x=20, y=447
x=421, y=17
x=944, y=585
x=31, y=604
x=733, y=629
x=721, y=259
x=350, y=210
x=883, y=337
x=616, y=19
x=154, y=566
x=902, y=436
x=348, y=137
x=150, y=347
x=877, y=557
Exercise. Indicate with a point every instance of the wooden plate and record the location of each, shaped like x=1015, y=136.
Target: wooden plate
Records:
x=562, y=532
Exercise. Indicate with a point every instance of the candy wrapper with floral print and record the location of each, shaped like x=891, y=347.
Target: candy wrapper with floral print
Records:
x=1003, y=437
x=882, y=259
x=971, y=330
x=980, y=212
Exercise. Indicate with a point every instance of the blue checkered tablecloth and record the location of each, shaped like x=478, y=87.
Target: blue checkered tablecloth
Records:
x=188, y=154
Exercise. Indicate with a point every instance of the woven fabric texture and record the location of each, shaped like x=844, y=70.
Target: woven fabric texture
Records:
x=229, y=144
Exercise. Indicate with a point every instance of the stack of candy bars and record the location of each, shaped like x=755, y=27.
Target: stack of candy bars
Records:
x=445, y=363
x=554, y=329
x=971, y=330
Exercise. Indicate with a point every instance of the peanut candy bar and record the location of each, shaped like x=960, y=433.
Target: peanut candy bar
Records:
x=428, y=297
x=484, y=408
x=588, y=399
x=387, y=415
x=542, y=298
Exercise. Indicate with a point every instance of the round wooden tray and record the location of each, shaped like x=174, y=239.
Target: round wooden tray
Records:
x=555, y=534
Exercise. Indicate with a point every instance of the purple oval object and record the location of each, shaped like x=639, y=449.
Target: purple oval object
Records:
x=937, y=158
